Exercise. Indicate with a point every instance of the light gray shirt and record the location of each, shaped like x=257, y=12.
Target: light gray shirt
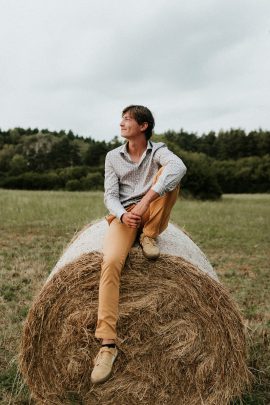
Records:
x=126, y=182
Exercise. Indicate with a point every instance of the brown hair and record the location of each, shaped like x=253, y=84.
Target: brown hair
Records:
x=141, y=114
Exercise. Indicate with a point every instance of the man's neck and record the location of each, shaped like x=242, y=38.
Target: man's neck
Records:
x=136, y=147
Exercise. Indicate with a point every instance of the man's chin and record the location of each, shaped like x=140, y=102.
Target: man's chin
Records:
x=124, y=136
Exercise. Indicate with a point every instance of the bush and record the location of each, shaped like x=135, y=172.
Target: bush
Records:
x=93, y=181
x=200, y=180
x=32, y=181
x=74, y=185
x=247, y=175
x=72, y=173
x=18, y=164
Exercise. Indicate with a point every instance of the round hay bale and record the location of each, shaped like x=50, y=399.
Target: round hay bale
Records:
x=173, y=241
x=180, y=336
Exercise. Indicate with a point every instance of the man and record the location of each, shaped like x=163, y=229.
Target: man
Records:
x=141, y=186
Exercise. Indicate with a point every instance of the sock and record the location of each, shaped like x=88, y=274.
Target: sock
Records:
x=108, y=345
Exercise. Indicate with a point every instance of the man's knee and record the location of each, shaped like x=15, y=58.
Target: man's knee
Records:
x=112, y=264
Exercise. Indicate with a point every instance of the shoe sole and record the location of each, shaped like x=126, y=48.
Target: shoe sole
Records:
x=151, y=257
x=102, y=380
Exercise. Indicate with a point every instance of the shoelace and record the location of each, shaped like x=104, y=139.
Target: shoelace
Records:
x=98, y=359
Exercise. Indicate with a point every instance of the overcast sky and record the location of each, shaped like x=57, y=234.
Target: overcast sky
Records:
x=75, y=64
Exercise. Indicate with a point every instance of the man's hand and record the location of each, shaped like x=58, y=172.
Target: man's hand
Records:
x=140, y=208
x=131, y=219
x=144, y=204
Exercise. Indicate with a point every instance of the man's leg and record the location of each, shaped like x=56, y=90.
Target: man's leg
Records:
x=117, y=243
x=156, y=220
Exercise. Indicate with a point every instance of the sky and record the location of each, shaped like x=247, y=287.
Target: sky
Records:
x=75, y=64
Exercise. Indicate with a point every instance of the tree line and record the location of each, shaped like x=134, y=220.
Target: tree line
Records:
x=233, y=144
x=228, y=161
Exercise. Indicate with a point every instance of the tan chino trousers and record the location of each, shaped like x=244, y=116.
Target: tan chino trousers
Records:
x=117, y=244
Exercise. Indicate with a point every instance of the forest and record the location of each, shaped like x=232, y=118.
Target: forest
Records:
x=231, y=161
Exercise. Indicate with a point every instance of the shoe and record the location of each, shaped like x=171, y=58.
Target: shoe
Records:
x=149, y=247
x=103, y=363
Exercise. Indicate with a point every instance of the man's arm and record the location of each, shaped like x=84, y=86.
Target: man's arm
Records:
x=143, y=205
x=111, y=193
x=174, y=170
x=111, y=197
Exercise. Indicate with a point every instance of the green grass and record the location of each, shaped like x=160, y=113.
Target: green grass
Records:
x=234, y=233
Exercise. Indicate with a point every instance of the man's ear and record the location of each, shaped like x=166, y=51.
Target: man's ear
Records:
x=144, y=126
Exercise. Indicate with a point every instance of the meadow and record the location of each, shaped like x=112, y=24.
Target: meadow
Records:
x=234, y=233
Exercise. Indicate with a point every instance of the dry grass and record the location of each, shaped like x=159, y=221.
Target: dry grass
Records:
x=181, y=337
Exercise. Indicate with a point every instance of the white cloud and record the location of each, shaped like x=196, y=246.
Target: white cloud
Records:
x=75, y=64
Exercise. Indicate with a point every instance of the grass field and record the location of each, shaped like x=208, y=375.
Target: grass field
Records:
x=234, y=233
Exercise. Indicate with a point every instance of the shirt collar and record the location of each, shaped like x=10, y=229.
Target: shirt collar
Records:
x=123, y=148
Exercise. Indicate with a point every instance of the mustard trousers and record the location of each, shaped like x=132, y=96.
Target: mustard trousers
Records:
x=117, y=244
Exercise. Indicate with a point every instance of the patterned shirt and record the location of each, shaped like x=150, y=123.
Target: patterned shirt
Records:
x=126, y=182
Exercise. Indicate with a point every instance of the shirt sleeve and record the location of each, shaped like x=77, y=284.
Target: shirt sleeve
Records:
x=111, y=193
x=174, y=170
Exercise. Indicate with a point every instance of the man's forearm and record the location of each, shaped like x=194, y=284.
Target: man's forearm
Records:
x=143, y=205
x=150, y=196
x=114, y=206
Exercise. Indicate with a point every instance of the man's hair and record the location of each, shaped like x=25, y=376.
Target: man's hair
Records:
x=141, y=114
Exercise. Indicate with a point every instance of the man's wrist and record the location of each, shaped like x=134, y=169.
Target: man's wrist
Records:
x=150, y=196
x=120, y=214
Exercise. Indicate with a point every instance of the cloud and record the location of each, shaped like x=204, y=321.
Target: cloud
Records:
x=75, y=65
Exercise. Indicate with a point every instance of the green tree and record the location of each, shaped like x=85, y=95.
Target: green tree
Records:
x=95, y=154
x=18, y=164
x=231, y=144
x=64, y=153
x=6, y=155
x=93, y=181
x=200, y=180
x=207, y=144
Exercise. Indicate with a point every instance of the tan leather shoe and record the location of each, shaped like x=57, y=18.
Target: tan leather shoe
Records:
x=149, y=247
x=103, y=363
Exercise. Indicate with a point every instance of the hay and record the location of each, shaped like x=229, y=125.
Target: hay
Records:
x=181, y=337
x=173, y=241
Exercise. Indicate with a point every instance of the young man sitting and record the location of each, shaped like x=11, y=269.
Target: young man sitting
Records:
x=141, y=186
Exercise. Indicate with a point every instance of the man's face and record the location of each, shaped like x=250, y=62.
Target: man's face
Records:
x=130, y=127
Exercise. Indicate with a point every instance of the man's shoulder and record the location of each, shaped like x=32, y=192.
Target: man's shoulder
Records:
x=158, y=145
x=114, y=152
